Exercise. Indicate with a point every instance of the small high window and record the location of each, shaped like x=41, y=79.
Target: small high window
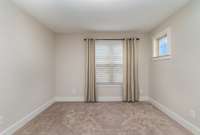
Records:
x=162, y=45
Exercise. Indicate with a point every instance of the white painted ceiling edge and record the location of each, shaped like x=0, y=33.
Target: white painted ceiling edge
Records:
x=76, y=16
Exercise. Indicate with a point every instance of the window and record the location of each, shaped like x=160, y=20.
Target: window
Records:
x=109, y=62
x=161, y=45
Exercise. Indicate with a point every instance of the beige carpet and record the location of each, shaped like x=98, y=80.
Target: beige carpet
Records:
x=102, y=119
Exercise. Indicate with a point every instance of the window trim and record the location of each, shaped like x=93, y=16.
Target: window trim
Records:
x=155, y=47
x=111, y=84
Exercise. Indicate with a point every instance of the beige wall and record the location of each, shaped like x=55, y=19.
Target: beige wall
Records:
x=26, y=56
x=70, y=65
x=175, y=83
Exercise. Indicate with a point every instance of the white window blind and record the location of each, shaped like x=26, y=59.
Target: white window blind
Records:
x=109, y=56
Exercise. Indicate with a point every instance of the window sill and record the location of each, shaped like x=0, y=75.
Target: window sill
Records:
x=168, y=57
x=108, y=85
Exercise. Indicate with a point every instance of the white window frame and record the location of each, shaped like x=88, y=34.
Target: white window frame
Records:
x=155, y=55
x=110, y=83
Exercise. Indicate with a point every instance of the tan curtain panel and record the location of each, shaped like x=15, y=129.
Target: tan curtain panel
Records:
x=130, y=71
x=90, y=71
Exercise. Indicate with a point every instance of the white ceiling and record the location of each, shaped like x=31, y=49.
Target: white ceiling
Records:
x=67, y=16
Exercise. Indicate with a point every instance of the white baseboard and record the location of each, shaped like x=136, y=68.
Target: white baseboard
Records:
x=109, y=99
x=101, y=99
x=81, y=99
x=69, y=99
x=144, y=98
x=17, y=125
x=188, y=125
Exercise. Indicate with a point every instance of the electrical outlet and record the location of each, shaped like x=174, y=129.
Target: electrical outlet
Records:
x=74, y=91
x=193, y=114
x=1, y=120
x=141, y=92
x=198, y=115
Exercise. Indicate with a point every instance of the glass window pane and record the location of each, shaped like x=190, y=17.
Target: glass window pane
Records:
x=163, y=46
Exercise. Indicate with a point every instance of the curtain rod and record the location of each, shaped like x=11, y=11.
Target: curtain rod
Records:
x=116, y=39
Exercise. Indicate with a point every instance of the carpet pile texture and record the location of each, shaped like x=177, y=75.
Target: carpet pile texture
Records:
x=115, y=118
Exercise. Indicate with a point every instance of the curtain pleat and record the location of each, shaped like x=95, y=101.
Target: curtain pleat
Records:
x=130, y=71
x=90, y=71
